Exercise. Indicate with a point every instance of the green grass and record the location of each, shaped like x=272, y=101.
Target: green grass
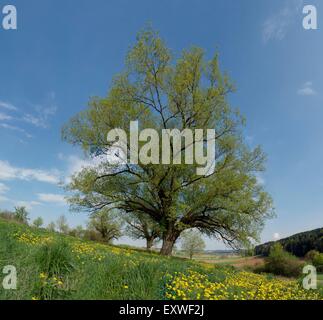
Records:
x=320, y=277
x=52, y=266
x=106, y=273
x=320, y=281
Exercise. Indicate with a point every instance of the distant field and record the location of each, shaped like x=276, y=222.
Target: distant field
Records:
x=234, y=260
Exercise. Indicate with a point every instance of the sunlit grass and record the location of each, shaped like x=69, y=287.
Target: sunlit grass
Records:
x=53, y=266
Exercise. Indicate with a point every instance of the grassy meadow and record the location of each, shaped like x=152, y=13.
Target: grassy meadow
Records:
x=52, y=266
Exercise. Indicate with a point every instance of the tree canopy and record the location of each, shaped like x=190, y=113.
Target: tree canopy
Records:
x=162, y=92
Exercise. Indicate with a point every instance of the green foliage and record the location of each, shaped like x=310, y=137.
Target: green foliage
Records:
x=311, y=254
x=92, y=235
x=78, y=232
x=62, y=225
x=318, y=261
x=125, y=274
x=38, y=222
x=248, y=251
x=55, y=258
x=280, y=262
x=21, y=215
x=51, y=227
x=105, y=224
x=163, y=93
x=299, y=244
x=102, y=272
x=54, y=261
x=192, y=242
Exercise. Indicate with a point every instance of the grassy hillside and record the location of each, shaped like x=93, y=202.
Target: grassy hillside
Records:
x=298, y=244
x=52, y=266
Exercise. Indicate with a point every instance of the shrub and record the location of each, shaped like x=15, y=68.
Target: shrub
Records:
x=310, y=255
x=318, y=261
x=280, y=262
x=316, y=258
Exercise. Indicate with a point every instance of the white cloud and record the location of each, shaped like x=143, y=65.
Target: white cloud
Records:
x=3, y=188
x=276, y=236
x=40, y=119
x=14, y=128
x=4, y=116
x=3, y=199
x=75, y=164
x=307, y=89
x=260, y=179
x=9, y=172
x=8, y=106
x=277, y=25
x=27, y=204
x=40, y=115
x=250, y=139
x=52, y=198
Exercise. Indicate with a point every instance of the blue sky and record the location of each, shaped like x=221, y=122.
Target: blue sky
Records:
x=66, y=51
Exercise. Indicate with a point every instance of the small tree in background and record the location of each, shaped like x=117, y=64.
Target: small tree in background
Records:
x=140, y=226
x=62, y=224
x=249, y=250
x=192, y=242
x=79, y=231
x=104, y=223
x=21, y=215
x=38, y=222
x=51, y=227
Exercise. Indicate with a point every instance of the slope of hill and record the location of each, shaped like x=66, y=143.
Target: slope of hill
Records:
x=298, y=244
x=53, y=266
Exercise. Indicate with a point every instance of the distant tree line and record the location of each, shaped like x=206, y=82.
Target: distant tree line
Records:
x=299, y=244
x=101, y=226
x=19, y=215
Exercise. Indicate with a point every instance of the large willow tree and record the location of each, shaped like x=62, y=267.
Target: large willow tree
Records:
x=163, y=93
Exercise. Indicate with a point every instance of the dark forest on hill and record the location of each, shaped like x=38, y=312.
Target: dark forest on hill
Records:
x=298, y=244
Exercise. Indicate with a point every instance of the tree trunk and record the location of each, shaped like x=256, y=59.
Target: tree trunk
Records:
x=150, y=242
x=169, y=240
